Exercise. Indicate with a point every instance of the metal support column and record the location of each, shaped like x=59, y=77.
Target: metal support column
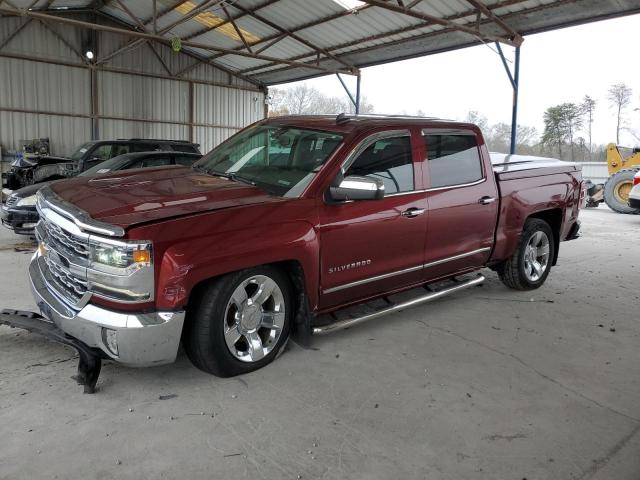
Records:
x=358, y=94
x=515, y=84
x=514, y=113
x=93, y=79
x=354, y=100
x=191, y=112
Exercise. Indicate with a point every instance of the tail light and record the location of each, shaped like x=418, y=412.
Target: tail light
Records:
x=636, y=179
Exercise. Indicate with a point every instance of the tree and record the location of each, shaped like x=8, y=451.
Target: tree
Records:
x=555, y=131
x=588, y=106
x=305, y=100
x=561, y=122
x=620, y=98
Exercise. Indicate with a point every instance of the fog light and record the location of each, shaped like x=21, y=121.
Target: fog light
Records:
x=110, y=339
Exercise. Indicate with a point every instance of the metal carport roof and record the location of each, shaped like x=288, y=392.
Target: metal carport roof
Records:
x=266, y=42
x=276, y=41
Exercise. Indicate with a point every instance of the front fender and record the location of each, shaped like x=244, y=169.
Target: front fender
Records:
x=186, y=264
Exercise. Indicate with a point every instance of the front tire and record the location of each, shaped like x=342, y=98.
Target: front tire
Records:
x=529, y=266
x=239, y=322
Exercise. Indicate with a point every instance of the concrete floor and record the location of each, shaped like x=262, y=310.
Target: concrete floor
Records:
x=487, y=384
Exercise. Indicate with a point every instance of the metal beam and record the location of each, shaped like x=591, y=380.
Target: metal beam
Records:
x=441, y=21
x=187, y=53
x=515, y=36
x=13, y=34
x=167, y=41
x=293, y=35
x=63, y=40
x=379, y=36
x=235, y=27
x=514, y=79
x=384, y=35
x=113, y=117
x=346, y=89
x=514, y=111
x=358, y=78
x=125, y=71
x=237, y=17
x=137, y=42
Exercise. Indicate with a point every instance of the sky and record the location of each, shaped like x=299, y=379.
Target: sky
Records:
x=555, y=67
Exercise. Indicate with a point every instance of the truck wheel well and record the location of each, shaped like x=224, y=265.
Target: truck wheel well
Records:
x=554, y=218
x=293, y=269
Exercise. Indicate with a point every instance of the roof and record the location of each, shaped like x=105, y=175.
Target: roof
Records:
x=357, y=123
x=277, y=41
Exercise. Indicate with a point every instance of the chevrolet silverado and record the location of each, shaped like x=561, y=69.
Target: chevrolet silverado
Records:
x=282, y=229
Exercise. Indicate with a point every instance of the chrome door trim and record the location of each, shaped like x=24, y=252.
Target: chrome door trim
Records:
x=456, y=257
x=458, y=185
x=435, y=189
x=371, y=279
x=364, y=281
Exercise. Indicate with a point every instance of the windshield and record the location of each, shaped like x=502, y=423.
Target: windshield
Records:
x=80, y=151
x=115, y=163
x=281, y=160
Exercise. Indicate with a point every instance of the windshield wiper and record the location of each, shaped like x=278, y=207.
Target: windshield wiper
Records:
x=237, y=178
x=229, y=176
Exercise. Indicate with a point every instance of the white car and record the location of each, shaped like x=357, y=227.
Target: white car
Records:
x=634, y=195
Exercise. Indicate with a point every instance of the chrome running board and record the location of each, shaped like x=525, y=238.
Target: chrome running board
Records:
x=350, y=322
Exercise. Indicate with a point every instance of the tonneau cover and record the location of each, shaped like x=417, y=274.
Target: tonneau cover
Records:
x=509, y=167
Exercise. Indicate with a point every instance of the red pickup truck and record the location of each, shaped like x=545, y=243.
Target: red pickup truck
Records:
x=289, y=220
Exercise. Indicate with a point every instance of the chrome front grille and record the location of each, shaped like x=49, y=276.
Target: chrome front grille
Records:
x=11, y=201
x=65, y=241
x=69, y=285
x=64, y=262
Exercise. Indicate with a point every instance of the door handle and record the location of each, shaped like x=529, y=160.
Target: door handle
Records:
x=486, y=200
x=413, y=212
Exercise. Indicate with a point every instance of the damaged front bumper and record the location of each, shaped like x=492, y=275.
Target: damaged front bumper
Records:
x=137, y=339
x=133, y=339
x=90, y=360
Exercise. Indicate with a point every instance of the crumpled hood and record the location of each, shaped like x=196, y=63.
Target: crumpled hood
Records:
x=139, y=196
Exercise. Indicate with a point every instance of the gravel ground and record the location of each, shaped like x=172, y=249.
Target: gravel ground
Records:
x=486, y=384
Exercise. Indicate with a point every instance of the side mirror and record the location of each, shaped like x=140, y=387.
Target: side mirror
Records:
x=357, y=188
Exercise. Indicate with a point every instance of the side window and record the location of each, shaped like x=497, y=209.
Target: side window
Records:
x=388, y=159
x=119, y=149
x=185, y=160
x=144, y=147
x=156, y=162
x=454, y=159
x=184, y=147
x=102, y=152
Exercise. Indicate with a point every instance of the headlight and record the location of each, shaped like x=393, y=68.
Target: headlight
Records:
x=121, y=270
x=27, y=201
x=121, y=255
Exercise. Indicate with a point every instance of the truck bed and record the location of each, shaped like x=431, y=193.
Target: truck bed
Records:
x=509, y=167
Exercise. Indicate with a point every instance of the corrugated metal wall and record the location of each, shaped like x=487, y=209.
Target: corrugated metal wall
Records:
x=50, y=94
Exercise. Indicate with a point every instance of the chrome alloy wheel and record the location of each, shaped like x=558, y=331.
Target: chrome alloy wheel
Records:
x=536, y=256
x=254, y=318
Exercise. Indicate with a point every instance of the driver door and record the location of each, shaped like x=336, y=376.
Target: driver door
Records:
x=374, y=246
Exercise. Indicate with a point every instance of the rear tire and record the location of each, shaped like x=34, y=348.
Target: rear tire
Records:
x=616, y=191
x=529, y=266
x=239, y=322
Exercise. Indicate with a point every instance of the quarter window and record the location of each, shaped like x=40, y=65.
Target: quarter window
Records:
x=453, y=159
x=388, y=159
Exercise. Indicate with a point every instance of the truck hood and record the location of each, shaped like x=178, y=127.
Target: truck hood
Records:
x=138, y=196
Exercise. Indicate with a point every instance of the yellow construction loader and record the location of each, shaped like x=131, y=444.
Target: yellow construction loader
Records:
x=615, y=191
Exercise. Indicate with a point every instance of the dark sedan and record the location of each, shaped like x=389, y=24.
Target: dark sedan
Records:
x=19, y=212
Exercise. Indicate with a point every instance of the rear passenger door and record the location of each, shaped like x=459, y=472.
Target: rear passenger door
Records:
x=462, y=202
